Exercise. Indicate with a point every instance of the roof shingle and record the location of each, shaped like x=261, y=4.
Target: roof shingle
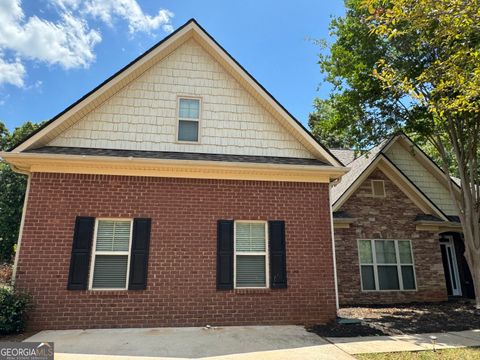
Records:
x=171, y=155
x=357, y=167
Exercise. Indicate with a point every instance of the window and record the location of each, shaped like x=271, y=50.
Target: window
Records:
x=251, y=260
x=188, y=119
x=378, y=188
x=386, y=265
x=111, y=254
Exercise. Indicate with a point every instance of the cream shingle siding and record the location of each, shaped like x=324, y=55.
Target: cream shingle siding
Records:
x=143, y=115
x=407, y=163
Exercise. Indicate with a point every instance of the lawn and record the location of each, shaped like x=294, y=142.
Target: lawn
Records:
x=448, y=354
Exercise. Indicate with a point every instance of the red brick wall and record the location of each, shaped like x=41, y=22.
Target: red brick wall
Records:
x=181, y=288
x=386, y=218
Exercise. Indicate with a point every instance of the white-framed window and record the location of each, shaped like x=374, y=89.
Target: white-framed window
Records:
x=188, y=119
x=378, y=188
x=251, y=254
x=110, y=263
x=386, y=265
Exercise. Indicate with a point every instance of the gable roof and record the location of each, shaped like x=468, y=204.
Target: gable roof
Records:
x=376, y=157
x=346, y=156
x=98, y=95
x=357, y=168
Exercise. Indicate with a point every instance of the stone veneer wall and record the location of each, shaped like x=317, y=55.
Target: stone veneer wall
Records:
x=391, y=217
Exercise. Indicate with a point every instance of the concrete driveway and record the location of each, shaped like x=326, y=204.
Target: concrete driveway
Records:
x=222, y=343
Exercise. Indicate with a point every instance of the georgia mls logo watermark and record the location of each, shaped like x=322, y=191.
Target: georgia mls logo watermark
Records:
x=26, y=351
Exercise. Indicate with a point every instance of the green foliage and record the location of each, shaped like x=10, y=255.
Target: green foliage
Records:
x=434, y=61
x=401, y=65
x=12, y=192
x=326, y=126
x=13, y=310
x=360, y=109
x=440, y=42
x=414, y=66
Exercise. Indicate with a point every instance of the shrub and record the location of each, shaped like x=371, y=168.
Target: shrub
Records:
x=13, y=310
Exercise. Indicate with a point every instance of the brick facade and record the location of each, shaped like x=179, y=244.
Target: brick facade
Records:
x=181, y=288
x=386, y=218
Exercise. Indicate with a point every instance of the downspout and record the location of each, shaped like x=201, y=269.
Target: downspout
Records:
x=22, y=222
x=337, y=304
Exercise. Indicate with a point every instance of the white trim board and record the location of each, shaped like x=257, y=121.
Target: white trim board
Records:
x=265, y=253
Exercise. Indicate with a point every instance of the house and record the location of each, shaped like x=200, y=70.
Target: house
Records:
x=178, y=192
x=397, y=234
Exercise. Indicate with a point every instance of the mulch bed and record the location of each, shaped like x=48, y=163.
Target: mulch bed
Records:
x=403, y=319
x=335, y=329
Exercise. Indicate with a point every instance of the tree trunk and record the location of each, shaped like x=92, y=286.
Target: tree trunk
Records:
x=467, y=204
x=473, y=260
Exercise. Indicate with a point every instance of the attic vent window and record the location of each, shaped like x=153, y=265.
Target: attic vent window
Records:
x=378, y=188
x=188, y=119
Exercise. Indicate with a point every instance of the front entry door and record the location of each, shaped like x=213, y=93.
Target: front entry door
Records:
x=450, y=266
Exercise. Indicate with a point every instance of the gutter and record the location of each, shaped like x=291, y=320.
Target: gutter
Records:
x=337, y=303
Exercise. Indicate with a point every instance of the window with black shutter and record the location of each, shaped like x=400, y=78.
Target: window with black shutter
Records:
x=251, y=254
x=113, y=251
x=139, y=254
x=80, y=257
x=225, y=254
x=278, y=258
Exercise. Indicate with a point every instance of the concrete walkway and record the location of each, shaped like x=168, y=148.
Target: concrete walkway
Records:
x=235, y=343
x=223, y=343
x=379, y=344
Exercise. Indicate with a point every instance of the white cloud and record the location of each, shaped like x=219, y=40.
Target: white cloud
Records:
x=68, y=41
x=127, y=10
x=68, y=4
x=130, y=11
x=12, y=73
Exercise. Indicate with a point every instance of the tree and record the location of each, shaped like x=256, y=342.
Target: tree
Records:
x=359, y=110
x=415, y=65
x=12, y=192
x=325, y=126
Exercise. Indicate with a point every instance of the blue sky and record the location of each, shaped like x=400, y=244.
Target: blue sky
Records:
x=52, y=52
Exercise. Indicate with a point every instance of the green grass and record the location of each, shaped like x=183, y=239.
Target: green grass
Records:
x=447, y=354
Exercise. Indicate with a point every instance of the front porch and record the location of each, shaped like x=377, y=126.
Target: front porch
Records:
x=458, y=278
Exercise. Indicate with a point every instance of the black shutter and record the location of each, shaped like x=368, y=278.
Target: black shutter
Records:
x=278, y=260
x=225, y=254
x=80, y=258
x=139, y=254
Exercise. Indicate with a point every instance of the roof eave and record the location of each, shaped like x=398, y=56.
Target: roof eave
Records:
x=437, y=226
x=31, y=162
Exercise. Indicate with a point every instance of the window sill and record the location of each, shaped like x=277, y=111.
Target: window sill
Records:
x=252, y=291
x=108, y=292
x=183, y=142
x=386, y=291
